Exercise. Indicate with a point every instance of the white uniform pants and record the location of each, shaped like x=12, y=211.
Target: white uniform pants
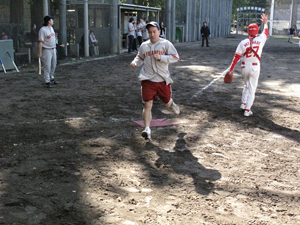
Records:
x=49, y=63
x=250, y=74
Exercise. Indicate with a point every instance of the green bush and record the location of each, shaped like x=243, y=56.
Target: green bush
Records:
x=17, y=32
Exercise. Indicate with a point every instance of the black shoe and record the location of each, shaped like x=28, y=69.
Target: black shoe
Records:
x=48, y=85
x=202, y=46
x=54, y=81
x=207, y=46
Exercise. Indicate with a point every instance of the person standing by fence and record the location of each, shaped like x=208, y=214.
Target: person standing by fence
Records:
x=292, y=31
x=205, y=32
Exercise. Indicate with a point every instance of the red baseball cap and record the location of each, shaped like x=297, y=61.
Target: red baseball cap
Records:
x=253, y=29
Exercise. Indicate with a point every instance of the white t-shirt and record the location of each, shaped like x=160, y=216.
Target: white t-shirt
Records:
x=139, y=29
x=130, y=26
x=145, y=32
x=93, y=38
x=47, y=36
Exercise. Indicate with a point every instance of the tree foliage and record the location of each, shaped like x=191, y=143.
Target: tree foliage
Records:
x=241, y=3
x=17, y=32
x=259, y=3
x=4, y=3
x=150, y=3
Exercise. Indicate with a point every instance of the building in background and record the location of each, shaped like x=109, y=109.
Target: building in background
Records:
x=108, y=19
x=282, y=18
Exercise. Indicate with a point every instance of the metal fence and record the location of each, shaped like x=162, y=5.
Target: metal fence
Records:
x=282, y=19
x=190, y=15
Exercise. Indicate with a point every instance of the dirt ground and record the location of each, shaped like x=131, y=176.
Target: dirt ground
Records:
x=73, y=155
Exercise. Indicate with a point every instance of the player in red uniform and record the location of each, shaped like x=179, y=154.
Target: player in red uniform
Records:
x=250, y=50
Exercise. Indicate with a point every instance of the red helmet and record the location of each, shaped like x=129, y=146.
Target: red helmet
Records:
x=253, y=29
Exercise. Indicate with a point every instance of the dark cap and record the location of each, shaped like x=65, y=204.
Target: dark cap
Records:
x=46, y=20
x=152, y=24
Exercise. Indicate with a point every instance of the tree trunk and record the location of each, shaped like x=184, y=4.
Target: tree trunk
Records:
x=16, y=11
x=294, y=13
x=140, y=14
x=37, y=16
x=114, y=27
x=168, y=16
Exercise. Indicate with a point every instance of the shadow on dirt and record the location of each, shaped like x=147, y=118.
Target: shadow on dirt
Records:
x=181, y=161
x=68, y=153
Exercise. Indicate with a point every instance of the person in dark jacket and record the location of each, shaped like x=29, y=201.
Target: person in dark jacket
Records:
x=205, y=32
x=34, y=36
x=291, y=34
x=162, y=30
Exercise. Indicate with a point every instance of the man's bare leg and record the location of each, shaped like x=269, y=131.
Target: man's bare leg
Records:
x=147, y=117
x=173, y=106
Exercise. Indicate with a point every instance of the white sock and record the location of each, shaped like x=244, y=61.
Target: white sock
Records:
x=171, y=100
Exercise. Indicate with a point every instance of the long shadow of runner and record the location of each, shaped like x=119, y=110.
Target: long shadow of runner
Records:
x=183, y=162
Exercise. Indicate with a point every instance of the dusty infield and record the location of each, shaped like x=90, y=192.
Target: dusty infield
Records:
x=73, y=155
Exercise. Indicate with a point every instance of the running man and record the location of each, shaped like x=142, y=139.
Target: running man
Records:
x=155, y=55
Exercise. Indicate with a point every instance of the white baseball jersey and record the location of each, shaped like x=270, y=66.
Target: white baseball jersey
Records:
x=257, y=45
x=154, y=70
x=47, y=36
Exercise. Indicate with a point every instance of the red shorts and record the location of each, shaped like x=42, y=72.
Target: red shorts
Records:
x=150, y=91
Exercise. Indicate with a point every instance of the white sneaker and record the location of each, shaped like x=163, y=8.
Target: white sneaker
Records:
x=146, y=134
x=243, y=106
x=175, y=108
x=248, y=113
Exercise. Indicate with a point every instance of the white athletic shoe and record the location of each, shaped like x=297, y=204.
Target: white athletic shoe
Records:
x=146, y=134
x=243, y=106
x=175, y=108
x=248, y=113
